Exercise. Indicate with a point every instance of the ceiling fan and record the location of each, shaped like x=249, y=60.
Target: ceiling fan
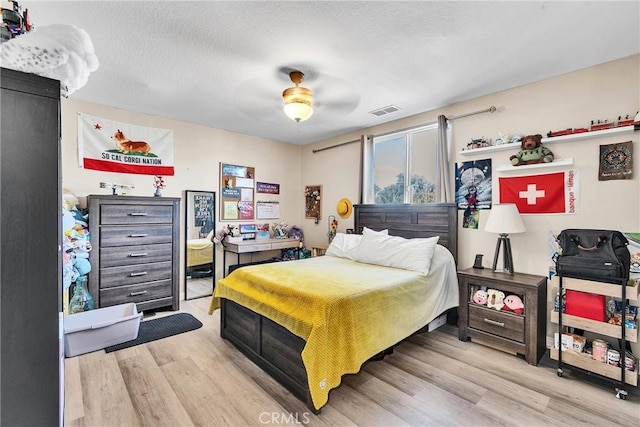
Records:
x=298, y=100
x=263, y=97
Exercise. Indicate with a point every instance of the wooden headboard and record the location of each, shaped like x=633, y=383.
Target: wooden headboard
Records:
x=411, y=221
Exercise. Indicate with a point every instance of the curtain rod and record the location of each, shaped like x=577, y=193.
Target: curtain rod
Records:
x=335, y=146
x=491, y=109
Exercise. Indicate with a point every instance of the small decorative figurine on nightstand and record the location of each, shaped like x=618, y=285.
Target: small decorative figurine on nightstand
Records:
x=531, y=152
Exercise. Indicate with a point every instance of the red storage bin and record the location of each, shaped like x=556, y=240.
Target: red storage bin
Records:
x=584, y=304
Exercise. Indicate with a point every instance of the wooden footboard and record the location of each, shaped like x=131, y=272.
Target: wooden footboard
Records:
x=273, y=348
x=268, y=345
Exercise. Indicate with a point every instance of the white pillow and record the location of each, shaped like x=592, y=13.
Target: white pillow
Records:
x=344, y=245
x=398, y=252
x=366, y=230
x=210, y=235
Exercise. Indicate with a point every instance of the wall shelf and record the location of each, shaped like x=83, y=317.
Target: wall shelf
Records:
x=563, y=138
x=556, y=162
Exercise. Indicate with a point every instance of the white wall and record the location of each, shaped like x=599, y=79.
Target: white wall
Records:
x=571, y=100
x=198, y=150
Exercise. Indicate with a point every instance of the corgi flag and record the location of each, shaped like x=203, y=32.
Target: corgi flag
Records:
x=110, y=146
x=550, y=193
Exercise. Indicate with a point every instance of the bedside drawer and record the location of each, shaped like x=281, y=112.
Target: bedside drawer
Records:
x=132, y=274
x=135, y=293
x=505, y=325
x=135, y=214
x=136, y=235
x=140, y=254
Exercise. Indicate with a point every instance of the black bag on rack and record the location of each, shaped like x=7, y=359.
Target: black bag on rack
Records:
x=599, y=255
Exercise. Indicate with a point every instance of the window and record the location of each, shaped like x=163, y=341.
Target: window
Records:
x=406, y=154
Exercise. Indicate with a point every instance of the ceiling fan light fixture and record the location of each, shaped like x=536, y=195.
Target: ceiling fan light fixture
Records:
x=298, y=100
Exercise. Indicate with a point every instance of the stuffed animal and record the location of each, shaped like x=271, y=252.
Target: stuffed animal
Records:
x=495, y=299
x=531, y=152
x=280, y=231
x=513, y=303
x=480, y=297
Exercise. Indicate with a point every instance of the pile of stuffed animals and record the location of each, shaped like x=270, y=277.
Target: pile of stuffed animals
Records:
x=75, y=240
x=494, y=298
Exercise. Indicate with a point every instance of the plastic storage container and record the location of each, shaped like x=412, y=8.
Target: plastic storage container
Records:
x=96, y=329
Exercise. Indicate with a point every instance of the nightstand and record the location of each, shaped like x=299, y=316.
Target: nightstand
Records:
x=318, y=250
x=515, y=333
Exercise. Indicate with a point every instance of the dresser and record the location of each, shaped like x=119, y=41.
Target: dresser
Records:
x=135, y=251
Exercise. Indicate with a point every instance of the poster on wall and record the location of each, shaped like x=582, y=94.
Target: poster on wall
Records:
x=616, y=161
x=267, y=188
x=237, y=185
x=473, y=190
x=548, y=193
x=111, y=146
x=267, y=210
x=203, y=212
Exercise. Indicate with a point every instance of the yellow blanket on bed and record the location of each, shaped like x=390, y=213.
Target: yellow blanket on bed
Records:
x=346, y=311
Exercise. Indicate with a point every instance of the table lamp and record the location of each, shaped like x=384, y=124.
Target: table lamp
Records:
x=504, y=219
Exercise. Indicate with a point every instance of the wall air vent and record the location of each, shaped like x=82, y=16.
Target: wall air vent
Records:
x=384, y=110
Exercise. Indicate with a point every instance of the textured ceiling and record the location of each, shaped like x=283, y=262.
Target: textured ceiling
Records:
x=224, y=64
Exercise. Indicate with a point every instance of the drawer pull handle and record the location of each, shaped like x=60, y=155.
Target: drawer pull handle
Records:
x=138, y=235
x=493, y=322
x=138, y=214
x=138, y=254
x=135, y=294
x=143, y=273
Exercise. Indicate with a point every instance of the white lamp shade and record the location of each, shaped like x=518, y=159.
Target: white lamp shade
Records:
x=504, y=218
x=298, y=111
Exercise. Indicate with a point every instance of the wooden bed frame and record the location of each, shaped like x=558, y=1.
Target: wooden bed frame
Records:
x=278, y=351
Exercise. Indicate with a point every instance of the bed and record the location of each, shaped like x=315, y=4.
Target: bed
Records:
x=309, y=322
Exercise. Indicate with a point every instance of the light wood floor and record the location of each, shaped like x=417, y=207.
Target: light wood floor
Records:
x=197, y=378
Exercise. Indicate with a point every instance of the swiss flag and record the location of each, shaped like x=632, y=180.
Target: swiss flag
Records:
x=550, y=193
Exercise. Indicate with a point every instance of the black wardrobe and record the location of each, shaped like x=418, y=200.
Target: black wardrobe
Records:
x=30, y=257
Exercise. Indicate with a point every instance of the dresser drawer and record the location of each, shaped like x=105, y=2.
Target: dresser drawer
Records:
x=135, y=214
x=135, y=293
x=130, y=255
x=132, y=274
x=506, y=325
x=135, y=235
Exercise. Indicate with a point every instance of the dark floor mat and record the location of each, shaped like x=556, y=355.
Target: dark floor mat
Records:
x=151, y=330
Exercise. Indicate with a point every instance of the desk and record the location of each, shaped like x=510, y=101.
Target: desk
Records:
x=257, y=245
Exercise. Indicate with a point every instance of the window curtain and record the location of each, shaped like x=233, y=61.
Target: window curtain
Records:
x=367, y=170
x=443, y=181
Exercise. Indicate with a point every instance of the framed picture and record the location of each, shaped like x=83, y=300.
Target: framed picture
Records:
x=313, y=201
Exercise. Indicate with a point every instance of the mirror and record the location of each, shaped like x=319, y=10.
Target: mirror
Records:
x=199, y=251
